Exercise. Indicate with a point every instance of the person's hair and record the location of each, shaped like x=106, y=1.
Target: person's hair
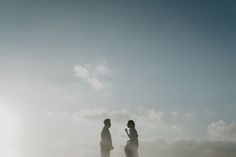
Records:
x=131, y=123
x=107, y=121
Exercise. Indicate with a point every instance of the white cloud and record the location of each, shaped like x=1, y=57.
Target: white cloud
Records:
x=151, y=118
x=103, y=70
x=220, y=130
x=81, y=72
x=176, y=128
x=96, y=83
x=94, y=75
x=189, y=115
x=148, y=118
x=116, y=116
x=145, y=117
x=173, y=113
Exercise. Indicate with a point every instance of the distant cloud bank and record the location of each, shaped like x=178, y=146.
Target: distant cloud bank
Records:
x=221, y=131
x=187, y=148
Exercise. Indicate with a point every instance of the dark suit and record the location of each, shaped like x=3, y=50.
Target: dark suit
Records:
x=106, y=142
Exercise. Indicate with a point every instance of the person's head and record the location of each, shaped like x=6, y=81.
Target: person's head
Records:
x=107, y=123
x=130, y=124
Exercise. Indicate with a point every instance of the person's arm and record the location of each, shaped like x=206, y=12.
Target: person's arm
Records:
x=111, y=141
x=127, y=133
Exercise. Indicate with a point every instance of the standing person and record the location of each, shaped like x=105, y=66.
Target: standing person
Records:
x=106, y=142
x=131, y=149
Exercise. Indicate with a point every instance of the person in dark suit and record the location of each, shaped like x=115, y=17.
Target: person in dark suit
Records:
x=106, y=141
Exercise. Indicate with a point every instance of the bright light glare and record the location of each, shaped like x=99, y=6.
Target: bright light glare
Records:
x=8, y=133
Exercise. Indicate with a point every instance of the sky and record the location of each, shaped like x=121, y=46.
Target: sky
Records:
x=67, y=65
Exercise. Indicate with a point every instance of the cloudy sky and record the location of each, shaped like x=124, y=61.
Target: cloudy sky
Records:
x=66, y=65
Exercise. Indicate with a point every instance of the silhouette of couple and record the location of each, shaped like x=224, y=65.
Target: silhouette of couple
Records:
x=131, y=148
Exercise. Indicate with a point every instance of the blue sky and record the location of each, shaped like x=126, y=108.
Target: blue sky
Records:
x=169, y=65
